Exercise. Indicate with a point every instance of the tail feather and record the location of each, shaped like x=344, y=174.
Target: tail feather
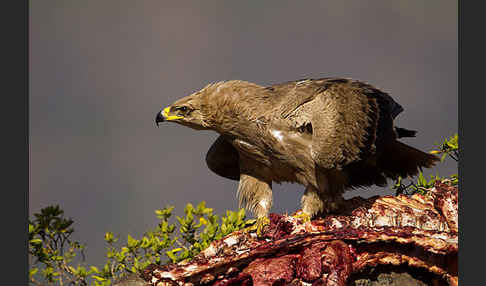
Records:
x=399, y=159
x=402, y=132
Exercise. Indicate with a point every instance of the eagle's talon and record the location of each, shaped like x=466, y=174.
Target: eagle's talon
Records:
x=262, y=223
x=259, y=226
x=302, y=216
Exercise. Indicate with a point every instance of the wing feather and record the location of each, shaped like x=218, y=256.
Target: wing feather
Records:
x=339, y=122
x=348, y=118
x=223, y=159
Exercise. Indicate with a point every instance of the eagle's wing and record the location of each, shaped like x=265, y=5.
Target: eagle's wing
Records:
x=347, y=118
x=222, y=158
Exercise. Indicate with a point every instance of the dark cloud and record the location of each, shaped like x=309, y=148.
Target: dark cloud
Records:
x=100, y=70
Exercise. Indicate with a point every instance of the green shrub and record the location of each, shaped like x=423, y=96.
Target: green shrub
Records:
x=52, y=250
x=450, y=147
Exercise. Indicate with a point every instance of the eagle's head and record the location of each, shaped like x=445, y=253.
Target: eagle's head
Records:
x=212, y=107
x=185, y=111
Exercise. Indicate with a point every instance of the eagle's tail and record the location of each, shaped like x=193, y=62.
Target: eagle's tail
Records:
x=402, y=132
x=399, y=159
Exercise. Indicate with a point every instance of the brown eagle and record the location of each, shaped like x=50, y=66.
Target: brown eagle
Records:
x=328, y=134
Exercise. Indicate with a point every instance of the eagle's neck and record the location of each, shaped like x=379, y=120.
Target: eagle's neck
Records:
x=236, y=108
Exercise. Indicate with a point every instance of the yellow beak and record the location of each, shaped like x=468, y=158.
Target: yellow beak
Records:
x=167, y=117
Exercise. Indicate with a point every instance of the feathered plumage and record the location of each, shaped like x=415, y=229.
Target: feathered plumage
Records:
x=328, y=134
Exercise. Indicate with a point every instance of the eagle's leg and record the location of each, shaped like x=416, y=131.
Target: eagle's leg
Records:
x=256, y=196
x=315, y=202
x=311, y=202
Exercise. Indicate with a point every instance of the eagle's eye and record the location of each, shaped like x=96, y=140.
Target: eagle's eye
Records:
x=183, y=110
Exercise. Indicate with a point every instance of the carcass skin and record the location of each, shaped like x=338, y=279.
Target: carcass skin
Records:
x=416, y=232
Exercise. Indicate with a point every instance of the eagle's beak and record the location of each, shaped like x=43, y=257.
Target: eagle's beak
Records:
x=164, y=116
x=159, y=118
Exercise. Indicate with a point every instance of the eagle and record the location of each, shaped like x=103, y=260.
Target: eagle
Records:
x=329, y=135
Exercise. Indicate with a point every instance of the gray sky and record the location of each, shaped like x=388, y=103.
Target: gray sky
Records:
x=100, y=70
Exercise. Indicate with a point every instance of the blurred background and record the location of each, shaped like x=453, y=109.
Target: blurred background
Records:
x=100, y=70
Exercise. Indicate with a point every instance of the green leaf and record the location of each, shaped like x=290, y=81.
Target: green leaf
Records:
x=57, y=258
x=135, y=262
x=202, y=221
x=35, y=241
x=201, y=207
x=98, y=278
x=189, y=209
x=190, y=218
x=124, y=250
x=171, y=254
x=33, y=271
x=421, y=179
x=164, y=213
x=131, y=242
x=109, y=237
